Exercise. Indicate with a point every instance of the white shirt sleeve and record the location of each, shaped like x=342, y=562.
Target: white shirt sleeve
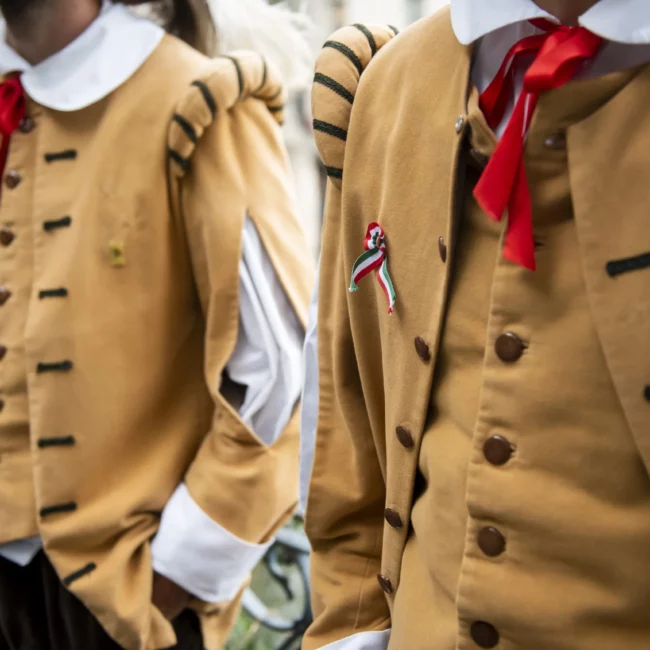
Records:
x=309, y=411
x=191, y=549
x=362, y=641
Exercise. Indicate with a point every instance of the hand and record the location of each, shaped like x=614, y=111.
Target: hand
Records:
x=168, y=597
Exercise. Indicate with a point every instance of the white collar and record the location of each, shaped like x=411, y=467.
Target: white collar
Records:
x=108, y=53
x=623, y=21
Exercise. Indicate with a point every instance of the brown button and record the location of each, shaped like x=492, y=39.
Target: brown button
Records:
x=2, y=405
x=497, y=450
x=556, y=141
x=385, y=584
x=442, y=248
x=12, y=179
x=484, y=635
x=509, y=347
x=423, y=350
x=27, y=124
x=393, y=518
x=405, y=437
x=6, y=236
x=5, y=294
x=491, y=542
x=3, y=352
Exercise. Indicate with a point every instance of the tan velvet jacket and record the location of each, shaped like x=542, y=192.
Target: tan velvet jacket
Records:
x=392, y=157
x=142, y=226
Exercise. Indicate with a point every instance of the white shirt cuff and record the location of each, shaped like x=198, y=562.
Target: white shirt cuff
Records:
x=21, y=552
x=362, y=641
x=198, y=554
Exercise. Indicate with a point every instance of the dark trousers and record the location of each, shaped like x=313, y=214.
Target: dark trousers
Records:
x=38, y=613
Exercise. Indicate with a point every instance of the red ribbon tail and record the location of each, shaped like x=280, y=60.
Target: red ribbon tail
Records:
x=499, y=178
x=494, y=188
x=519, y=245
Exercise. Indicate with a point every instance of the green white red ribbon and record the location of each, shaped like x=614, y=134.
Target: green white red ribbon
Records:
x=375, y=258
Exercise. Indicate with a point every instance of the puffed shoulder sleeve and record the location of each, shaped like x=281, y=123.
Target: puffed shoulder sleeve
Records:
x=338, y=72
x=346, y=495
x=228, y=166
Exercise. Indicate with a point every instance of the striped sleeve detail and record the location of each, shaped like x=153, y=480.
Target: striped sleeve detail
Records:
x=330, y=83
x=187, y=128
x=240, y=73
x=340, y=65
x=330, y=129
x=232, y=78
x=207, y=97
x=368, y=34
x=183, y=163
x=346, y=51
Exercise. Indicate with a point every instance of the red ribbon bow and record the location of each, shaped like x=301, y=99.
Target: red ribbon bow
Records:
x=560, y=53
x=13, y=108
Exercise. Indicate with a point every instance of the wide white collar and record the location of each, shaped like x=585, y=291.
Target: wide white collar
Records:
x=623, y=21
x=106, y=55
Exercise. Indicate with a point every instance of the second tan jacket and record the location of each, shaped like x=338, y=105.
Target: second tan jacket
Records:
x=401, y=163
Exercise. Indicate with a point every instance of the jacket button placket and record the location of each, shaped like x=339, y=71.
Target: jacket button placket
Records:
x=51, y=369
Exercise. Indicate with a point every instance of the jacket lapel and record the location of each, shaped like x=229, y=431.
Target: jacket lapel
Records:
x=610, y=183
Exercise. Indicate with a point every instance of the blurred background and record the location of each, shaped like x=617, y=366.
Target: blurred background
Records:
x=327, y=16
x=276, y=607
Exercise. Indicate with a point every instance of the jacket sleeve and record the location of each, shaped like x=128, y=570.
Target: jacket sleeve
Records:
x=264, y=375
x=227, y=167
x=346, y=499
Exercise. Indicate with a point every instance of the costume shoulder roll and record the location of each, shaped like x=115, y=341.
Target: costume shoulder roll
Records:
x=344, y=525
x=344, y=58
x=230, y=79
x=227, y=169
x=227, y=126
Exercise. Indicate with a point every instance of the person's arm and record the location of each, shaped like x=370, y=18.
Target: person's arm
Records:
x=347, y=491
x=253, y=282
x=191, y=549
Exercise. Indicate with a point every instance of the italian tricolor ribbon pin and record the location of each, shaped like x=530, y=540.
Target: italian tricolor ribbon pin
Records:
x=374, y=259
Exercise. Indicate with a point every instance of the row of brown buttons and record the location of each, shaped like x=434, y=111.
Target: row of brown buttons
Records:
x=497, y=451
x=12, y=180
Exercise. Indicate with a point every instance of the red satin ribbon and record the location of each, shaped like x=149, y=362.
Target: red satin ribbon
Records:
x=560, y=52
x=13, y=108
